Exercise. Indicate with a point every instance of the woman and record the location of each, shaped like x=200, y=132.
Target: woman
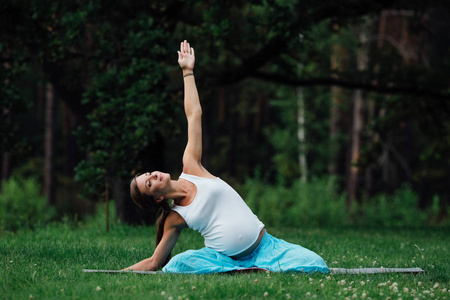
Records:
x=234, y=237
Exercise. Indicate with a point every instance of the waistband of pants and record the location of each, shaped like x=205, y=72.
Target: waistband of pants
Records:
x=263, y=240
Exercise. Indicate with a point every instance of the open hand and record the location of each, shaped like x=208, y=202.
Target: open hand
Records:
x=186, y=56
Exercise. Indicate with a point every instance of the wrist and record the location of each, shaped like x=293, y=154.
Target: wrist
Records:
x=187, y=74
x=187, y=71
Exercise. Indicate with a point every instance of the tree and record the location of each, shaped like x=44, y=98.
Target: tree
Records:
x=113, y=61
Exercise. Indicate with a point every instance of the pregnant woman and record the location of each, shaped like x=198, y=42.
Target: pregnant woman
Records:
x=234, y=237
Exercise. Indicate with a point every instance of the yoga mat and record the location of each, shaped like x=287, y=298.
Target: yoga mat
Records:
x=246, y=270
x=250, y=270
x=119, y=271
x=375, y=270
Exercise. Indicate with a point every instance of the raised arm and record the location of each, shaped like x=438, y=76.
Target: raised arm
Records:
x=193, y=153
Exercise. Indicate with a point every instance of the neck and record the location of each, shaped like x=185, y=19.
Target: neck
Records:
x=179, y=190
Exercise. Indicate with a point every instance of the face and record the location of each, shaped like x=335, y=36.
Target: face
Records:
x=153, y=184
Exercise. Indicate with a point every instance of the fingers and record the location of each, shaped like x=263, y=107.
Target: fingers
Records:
x=186, y=48
x=192, y=52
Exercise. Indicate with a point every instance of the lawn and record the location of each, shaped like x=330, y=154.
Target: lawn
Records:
x=47, y=263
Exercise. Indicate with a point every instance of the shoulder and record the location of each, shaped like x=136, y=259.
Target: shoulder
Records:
x=174, y=220
x=197, y=169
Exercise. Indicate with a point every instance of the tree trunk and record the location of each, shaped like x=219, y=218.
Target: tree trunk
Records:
x=301, y=135
x=6, y=114
x=368, y=177
x=49, y=145
x=357, y=121
x=338, y=63
x=355, y=149
x=69, y=124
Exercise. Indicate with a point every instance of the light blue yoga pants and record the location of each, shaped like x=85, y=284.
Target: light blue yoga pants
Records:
x=272, y=254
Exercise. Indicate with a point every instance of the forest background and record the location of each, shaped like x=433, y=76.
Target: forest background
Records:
x=319, y=113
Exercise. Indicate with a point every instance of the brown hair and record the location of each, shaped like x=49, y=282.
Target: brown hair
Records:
x=148, y=202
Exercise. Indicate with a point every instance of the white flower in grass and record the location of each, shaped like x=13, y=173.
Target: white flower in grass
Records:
x=362, y=283
x=419, y=283
x=98, y=288
x=308, y=294
x=31, y=296
x=436, y=285
x=322, y=285
x=405, y=290
x=288, y=296
x=170, y=298
x=328, y=277
x=354, y=296
x=163, y=293
x=363, y=295
x=266, y=294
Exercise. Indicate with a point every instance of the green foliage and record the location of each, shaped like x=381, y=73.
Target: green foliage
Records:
x=318, y=203
x=397, y=210
x=303, y=204
x=108, y=62
x=129, y=100
x=22, y=206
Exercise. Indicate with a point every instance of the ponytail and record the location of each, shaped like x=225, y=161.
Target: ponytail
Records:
x=164, y=212
x=147, y=202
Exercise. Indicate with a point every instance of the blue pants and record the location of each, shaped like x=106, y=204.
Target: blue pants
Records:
x=272, y=254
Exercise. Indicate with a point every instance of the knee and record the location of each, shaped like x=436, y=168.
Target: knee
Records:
x=180, y=262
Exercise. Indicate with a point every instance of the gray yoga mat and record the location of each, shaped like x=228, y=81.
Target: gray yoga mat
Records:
x=375, y=270
x=333, y=270
x=119, y=271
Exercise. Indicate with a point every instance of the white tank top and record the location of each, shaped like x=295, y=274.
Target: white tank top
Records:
x=220, y=215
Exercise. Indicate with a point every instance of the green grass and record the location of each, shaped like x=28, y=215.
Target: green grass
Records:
x=47, y=263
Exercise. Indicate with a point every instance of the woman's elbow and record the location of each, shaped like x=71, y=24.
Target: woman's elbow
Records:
x=195, y=114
